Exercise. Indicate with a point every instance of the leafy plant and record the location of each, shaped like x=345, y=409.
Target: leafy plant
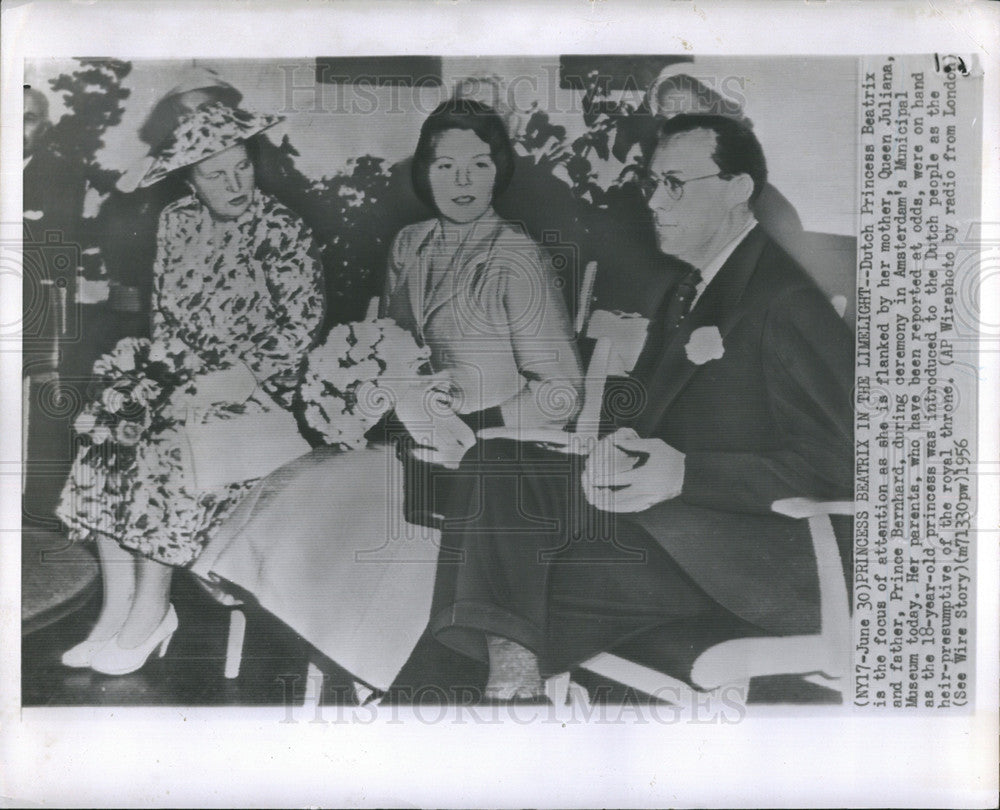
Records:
x=603, y=118
x=355, y=227
x=93, y=96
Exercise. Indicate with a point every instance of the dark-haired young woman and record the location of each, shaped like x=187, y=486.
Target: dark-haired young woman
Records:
x=476, y=288
x=328, y=542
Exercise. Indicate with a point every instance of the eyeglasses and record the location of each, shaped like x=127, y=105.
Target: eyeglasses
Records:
x=675, y=188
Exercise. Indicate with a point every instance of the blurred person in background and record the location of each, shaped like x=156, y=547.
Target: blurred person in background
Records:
x=52, y=208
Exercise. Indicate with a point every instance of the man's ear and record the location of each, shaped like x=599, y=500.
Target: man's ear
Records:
x=740, y=189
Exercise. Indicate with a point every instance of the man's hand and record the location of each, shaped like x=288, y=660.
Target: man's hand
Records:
x=628, y=474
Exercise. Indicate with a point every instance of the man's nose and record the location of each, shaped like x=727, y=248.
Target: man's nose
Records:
x=661, y=200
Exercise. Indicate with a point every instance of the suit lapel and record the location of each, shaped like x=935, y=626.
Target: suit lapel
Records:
x=718, y=306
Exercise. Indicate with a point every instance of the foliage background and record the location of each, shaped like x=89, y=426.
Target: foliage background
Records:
x=356, y=212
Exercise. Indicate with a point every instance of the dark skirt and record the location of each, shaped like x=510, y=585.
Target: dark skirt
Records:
x=428, y=487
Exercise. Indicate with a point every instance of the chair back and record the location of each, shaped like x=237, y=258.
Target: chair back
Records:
x=831, y=260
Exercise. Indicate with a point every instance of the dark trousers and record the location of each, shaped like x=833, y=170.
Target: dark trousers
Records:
x=525, y=557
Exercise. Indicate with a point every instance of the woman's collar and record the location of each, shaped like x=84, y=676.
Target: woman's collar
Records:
x=456, y=233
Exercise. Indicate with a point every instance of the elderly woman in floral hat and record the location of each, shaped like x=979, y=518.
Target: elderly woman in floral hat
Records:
x=238, y=293
x=127, y=221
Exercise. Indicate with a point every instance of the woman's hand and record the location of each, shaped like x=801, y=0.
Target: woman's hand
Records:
x=420, y=396
x=445, y=443
x=426, y=407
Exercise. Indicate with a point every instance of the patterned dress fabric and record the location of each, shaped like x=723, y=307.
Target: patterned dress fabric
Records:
x=246, y=290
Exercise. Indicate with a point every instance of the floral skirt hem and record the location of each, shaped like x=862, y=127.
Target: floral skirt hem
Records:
x=169, y=525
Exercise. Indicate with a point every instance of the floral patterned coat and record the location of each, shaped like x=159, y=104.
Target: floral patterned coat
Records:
x=247, y=290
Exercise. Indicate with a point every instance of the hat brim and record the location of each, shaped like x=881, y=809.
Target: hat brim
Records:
x=132, y=176
x=162, y=167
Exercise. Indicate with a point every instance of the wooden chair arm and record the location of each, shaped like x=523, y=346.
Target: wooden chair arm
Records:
x=804, y=508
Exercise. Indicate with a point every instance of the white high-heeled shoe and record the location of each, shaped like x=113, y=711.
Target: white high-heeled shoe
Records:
x=82, y=654
x=115, y=660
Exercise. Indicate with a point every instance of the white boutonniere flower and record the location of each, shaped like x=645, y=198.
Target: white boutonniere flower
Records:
x=33, y=216
x=704, y=344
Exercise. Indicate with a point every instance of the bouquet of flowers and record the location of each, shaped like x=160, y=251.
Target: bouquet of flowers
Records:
x=138, y=378
x=353, y=379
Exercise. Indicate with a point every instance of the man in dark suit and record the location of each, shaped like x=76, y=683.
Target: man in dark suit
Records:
x=740, y=397
x=51, y=330
x=52, y=209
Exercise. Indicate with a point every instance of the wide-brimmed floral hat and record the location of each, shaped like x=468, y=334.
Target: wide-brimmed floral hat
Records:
x=203, y=133
x=162, y=119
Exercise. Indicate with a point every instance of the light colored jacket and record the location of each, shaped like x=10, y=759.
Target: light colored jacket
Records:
x=490, y=311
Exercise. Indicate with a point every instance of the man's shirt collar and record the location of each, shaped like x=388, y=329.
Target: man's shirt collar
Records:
x=710, y=270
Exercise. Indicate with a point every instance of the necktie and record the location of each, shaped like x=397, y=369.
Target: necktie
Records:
x=679, y=304
x=669, y=316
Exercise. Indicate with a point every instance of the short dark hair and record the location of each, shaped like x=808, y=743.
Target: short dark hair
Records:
x=737, y=150
x=462, y=113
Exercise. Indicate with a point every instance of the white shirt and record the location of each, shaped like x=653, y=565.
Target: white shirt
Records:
x=710, y=270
